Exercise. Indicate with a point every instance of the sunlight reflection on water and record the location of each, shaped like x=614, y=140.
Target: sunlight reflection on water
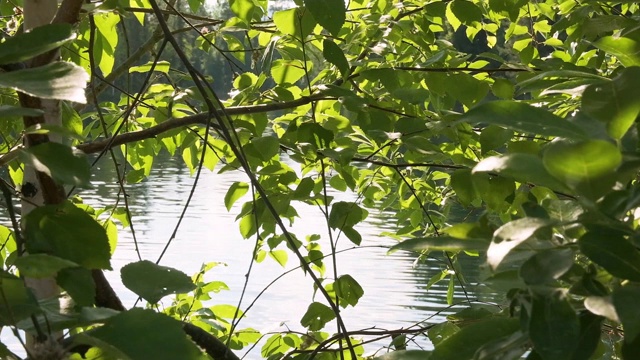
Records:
x=394, y=290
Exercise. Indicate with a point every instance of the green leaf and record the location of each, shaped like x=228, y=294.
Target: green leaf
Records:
x=625, y=300
x=522, y=117
x=493, y=190
x=524, y=168
x=586, y=166
x=235, y=192
x=161, y=66
x=614, y=102
x=280, y=256
x=349, y=291
x=142, y=334
x=10, y=110
x=247, y=10
x=330, y=14
x=494, y=137
x=440, y=332
x=41, y=265
x=67, y=232
x=590, y=331
x=405, y=355
x=297, y=22
x=553, y=326
x=62, y=163
x=346, y=214
x=609, y=249
x=627, y=50
x=316, y=316
x=39, y=40
x=333, y=54
x=602, y=306
x=462, y=184
x=287, y=71
x=153, y=282
x=466, y=11
x=58, y=80
x=463, y=344
x=316, y=135
x=512, y=234
x=17, y=300
x=78, y=283
x=547, y=266
x=445, y=243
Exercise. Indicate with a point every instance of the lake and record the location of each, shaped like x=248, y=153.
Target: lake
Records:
x=395, y=294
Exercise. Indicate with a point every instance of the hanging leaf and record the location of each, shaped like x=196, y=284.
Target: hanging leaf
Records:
x=524, y=168
x=78, y=283
x=142, y=334
x=553, y=326
x=17, y=301
x=586, y=166
x=522, y=117
x=625, y=300
x=58, y=80
x=61, y=162
x=235, y=192
x=609, y=249
x=297, y=22
x=627, y=50
x=41, y=265
x=39, y=40
x=67, y=232
x=316, y=316
x=330, y=14
x=287, y=71
x=153, y=282
x=463, y=344
x=512, y=234
x=547, y=266
x=445, y=243
x=333, y=54
x=614, y=102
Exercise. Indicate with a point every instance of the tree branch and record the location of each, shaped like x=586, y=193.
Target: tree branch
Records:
x=101, y=145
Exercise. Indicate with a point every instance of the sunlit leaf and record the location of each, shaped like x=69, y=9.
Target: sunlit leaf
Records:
x=614, y=102
x=63, y=163
x=445, y=243
x=67, y=232
x=153, y=282
x=58, y=80
x=524, y=168
x=522, y=117
x=627, y=50
x=586, y=166
x=235, y=192
x=41, y=39
x=297, y=22
x=512, y=234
